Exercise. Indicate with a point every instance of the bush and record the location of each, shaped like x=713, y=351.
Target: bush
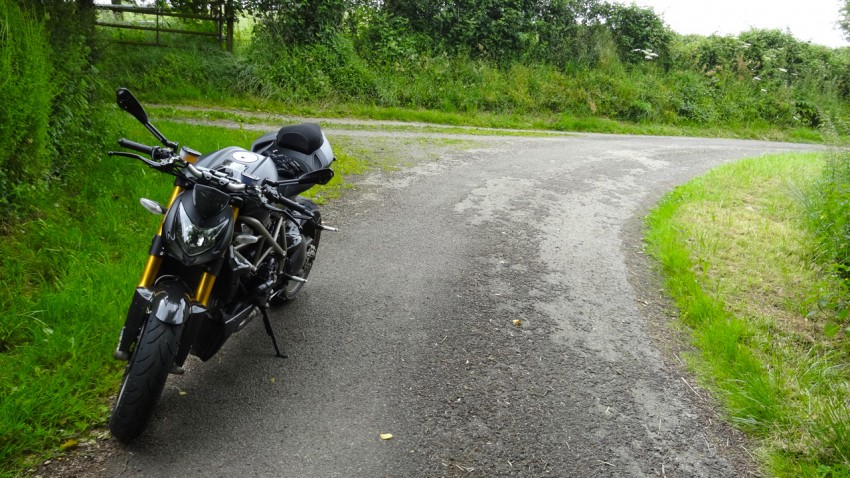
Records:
x=47, y=115
x=328, y=70
x=73, y=80
x=384, y=39
x=195, y=72
x=638, y=32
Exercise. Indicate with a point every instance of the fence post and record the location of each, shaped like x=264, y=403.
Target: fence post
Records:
x=228, y=14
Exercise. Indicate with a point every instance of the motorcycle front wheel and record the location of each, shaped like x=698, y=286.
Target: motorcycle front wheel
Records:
x=144, y=378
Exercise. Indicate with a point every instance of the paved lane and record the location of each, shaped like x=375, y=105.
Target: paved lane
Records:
x=407, y=328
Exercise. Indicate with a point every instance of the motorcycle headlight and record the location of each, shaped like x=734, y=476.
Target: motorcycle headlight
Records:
x=196, y=240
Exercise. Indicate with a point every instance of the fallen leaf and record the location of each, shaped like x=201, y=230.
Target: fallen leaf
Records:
x=517, y=322
x=386, y=436
x=273, y=380
x=72, y=443
x=181, y=393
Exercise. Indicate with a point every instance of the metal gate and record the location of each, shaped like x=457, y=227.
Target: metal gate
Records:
x=221, y=16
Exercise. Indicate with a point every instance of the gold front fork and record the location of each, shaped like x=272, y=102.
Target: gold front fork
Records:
x=152, y=265
x=205, y=286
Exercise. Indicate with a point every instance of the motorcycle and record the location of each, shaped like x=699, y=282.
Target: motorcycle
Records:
x=235, y=238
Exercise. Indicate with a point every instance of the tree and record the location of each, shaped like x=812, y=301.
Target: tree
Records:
x=637, y=31
x=844, y=19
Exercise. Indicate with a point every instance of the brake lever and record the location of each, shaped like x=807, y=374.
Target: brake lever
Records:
x=270, y=193
x=126, y=155
x=139, y=157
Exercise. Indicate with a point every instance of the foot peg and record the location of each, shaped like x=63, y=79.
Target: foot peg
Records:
x=296, y=278
x=327, y=228
x=176, y=370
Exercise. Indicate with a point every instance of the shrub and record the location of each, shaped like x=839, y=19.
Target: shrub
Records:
x=331, y=69
x=638, y=32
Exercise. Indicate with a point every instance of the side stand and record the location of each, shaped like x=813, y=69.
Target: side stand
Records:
x=270, y=331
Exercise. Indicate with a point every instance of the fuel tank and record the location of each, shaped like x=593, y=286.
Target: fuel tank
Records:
x=235, y=160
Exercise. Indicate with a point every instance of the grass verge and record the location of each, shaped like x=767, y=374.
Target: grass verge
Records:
x=252, y=111
x=66, y=276
x=737, y=258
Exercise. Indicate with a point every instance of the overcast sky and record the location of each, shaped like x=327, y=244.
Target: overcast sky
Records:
x=808, y=20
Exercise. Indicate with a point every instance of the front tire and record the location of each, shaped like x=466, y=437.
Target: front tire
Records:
x=144, y=378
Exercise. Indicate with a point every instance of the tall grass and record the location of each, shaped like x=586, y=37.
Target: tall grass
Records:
x=737, y=256
x=829, y=213
x=26, y=93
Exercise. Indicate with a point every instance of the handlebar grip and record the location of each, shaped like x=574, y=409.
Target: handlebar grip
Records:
x=142, y=148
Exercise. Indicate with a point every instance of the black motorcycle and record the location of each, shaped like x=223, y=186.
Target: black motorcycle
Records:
x=235, y=238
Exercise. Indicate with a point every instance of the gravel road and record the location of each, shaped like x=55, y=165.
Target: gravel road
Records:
x=408, y=328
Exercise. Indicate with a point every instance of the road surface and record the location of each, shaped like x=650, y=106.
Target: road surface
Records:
x=490, y=308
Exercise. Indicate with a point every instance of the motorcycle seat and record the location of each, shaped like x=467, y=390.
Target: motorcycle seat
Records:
x=304, y=138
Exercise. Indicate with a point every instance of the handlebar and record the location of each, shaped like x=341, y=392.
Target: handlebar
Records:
x=155, y=152
x=265, y=189
x=142, y=148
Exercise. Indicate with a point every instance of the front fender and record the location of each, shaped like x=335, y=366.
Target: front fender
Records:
x=171, y=303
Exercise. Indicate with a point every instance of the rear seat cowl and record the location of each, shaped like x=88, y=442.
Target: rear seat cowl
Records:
x=304, y=138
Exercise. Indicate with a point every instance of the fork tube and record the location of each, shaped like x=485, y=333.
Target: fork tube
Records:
x=152, y=265
x=205, y=285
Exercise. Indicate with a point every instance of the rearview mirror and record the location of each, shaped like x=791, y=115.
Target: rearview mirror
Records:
x=319, y=176
x=127, y=102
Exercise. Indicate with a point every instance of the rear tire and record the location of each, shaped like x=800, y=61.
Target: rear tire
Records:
x=291, y=289
x=144, y=378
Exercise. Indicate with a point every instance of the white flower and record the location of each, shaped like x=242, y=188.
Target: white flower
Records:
x=648, y=54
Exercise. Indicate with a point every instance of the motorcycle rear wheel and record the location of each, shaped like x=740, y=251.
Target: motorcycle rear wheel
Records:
x=291, y=288
x=144, y=379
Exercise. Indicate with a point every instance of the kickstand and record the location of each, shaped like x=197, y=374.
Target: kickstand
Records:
x=270, y=331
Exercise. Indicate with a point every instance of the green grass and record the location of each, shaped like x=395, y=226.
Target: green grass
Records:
x=737, y=257
x=482, y=124
x=334, y=81
x=212, y=115
x=26, y=93
x=67, y=272
x=63, y=272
